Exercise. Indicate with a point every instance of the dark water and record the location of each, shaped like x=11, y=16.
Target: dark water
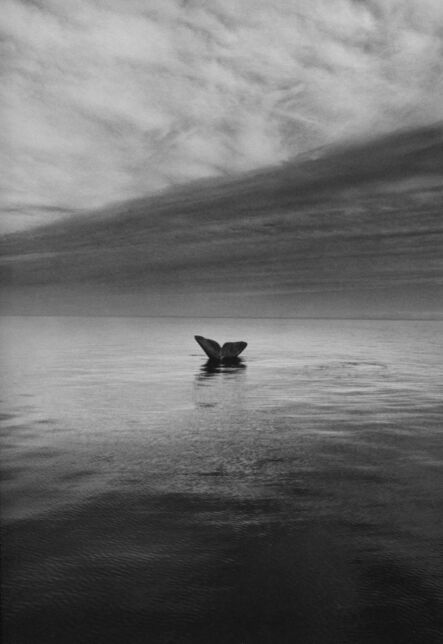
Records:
x=147, y=497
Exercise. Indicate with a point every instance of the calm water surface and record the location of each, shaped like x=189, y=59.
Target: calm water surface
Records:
x=149, y=497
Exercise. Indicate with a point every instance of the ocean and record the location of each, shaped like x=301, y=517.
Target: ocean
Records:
x=151, y=497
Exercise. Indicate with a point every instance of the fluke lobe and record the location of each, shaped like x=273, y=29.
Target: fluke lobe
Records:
x=229, y=351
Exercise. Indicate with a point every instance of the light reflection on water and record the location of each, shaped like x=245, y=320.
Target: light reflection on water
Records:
x=293, y=496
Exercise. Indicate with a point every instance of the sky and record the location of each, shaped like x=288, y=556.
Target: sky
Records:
x=110, y=100
x=353, y=231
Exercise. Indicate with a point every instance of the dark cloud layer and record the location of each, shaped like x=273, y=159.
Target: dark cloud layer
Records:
x=350, y=230
x=107, y=100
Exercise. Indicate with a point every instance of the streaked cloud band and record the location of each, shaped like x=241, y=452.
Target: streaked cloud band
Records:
x=109, y=100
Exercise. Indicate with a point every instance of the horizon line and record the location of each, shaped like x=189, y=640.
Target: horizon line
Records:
x=223, y=317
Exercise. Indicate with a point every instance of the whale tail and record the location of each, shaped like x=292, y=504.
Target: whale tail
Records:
x=229, y=351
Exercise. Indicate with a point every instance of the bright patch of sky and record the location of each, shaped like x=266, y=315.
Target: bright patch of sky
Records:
x=106, y=100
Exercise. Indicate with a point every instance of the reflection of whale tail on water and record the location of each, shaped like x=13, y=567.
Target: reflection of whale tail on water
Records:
x=229, y=351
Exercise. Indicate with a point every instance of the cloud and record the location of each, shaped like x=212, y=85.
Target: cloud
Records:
x=106, y=100
x=354, y=231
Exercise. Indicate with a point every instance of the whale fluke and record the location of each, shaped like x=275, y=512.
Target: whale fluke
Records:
x=229, y=351
x=232, y=349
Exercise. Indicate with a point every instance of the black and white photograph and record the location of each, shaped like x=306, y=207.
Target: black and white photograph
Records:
x=221, y=321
